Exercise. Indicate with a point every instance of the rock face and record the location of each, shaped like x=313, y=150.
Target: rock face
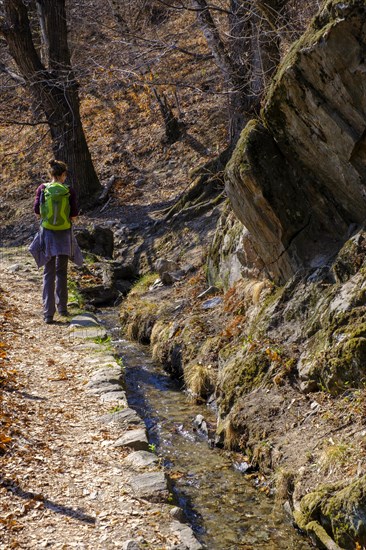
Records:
x=98, y=240
x=232, y=253
x=296, y=179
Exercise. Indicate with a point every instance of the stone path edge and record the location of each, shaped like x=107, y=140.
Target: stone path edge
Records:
x=107, y=381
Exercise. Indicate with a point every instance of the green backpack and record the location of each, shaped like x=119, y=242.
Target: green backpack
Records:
x=55, y=207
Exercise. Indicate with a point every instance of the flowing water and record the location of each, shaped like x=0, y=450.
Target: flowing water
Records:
x=224, y=507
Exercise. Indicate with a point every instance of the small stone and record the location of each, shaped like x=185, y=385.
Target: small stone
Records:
x=131, y=545
x=140, y=182
x=14, y=268
x=163, y=265
x=171, y=277
x=177, y=513
x=210, y=304
x=288, y=510
x=198, y=420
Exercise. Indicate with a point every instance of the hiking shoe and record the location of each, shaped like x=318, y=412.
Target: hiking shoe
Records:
x=48, y=320
x=64, y=313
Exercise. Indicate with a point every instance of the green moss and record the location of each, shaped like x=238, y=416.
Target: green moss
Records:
x=346, y=514
x=340, y=510
x=240, y=375
x=344, y=266
x=342, y=365
x=311, y=503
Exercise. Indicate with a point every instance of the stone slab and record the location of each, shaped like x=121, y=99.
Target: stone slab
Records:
x=114, y=398
x=88, y=332
x=84, y=320
x=123, y=419
x=141, y=459
x=151, y=486
x=103, y=387
x=135, y=439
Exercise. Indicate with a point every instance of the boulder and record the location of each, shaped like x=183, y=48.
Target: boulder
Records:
x=232, y=253
x=98, y=240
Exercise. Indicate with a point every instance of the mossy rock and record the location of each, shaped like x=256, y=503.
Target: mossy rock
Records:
x=242, y=373
x=336, y=356
x=340, y=510
x=138, y=318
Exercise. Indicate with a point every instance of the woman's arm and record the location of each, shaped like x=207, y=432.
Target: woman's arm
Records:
x=37, y=200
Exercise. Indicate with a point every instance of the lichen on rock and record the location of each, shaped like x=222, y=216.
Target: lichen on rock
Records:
x=339, y=510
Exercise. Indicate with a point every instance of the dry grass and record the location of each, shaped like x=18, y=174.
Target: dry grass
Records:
x=199, y=379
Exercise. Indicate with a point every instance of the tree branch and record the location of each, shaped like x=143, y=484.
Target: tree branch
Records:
x=187, y=8
x=214, y=40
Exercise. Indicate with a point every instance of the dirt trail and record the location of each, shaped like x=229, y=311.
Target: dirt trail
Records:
x=62, y=484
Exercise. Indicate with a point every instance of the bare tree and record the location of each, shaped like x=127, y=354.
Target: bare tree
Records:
x=126, y=20
x=248, y=57
x=41, y=54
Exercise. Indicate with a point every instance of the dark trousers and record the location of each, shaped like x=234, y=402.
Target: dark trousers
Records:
x=55, y=278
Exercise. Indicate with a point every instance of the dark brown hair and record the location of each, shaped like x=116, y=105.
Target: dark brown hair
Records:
x=57, y=167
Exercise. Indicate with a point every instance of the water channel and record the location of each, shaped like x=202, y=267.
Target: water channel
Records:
x=224, y=507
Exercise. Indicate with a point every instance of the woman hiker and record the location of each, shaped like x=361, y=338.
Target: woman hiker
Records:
x=56, y=207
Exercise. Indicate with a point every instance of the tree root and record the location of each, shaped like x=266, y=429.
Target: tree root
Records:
x=205, y=191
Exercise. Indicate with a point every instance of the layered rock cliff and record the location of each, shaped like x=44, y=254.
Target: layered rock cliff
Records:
x=297, y=178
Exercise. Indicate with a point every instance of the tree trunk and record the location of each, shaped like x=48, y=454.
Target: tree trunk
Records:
x=54, y=88
x=240, y=102
x=173, y=128
x=250, y=56
x=266, y=42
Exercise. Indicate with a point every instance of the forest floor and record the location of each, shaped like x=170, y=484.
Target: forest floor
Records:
x=62, y=483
